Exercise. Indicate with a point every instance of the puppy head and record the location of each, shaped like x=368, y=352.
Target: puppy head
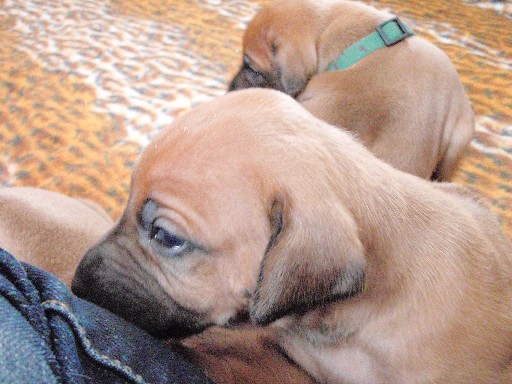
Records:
x=280, y=47
x=232, y=210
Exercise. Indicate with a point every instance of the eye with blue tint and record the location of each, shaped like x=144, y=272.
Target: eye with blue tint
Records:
x=168, y=240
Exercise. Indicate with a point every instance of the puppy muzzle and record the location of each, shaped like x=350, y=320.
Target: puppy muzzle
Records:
x=109, y=276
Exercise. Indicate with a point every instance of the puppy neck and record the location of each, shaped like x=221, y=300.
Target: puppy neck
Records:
x=345, y=23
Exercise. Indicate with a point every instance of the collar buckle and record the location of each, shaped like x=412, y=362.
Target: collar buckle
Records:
x=395, y=35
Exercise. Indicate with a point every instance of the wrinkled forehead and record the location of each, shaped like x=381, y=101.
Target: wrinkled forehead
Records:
x=206, y=178
x=230, y=145
x=185, y=174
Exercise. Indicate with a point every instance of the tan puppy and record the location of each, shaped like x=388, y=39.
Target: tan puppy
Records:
x=249, y=203
x=404, y=102
x=53, y=231
x=243, y=356
x=49, y=230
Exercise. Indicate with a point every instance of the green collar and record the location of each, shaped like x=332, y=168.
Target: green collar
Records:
x=387, y=34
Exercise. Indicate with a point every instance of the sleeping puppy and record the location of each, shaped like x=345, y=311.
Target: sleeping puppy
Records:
x=404, y=101
x=248, y=204
x=52, y=231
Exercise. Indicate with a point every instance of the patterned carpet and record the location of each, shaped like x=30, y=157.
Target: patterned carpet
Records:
x=85, y=84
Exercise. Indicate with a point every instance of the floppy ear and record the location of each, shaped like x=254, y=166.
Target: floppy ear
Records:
x=297, y=63
x=314, y=257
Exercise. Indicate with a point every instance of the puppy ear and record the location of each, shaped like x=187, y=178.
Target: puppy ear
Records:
x=296, y=65
x=314, y=257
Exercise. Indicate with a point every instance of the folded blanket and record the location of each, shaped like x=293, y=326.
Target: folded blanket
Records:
x=86, y=84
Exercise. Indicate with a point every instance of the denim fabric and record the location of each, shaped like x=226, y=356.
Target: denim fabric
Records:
x=47, y=335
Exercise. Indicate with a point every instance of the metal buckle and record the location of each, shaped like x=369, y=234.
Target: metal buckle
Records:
x=387, y=40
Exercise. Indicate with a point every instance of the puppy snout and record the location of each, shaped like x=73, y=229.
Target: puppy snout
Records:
x=87, y=273
x=239, y=82
x=107, y=276
x=233, y=84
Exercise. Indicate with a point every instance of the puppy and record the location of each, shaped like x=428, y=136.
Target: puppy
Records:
x=249, y=204
x=405, y=101
x=244, y=355
x=52, y=231
x=49, y=230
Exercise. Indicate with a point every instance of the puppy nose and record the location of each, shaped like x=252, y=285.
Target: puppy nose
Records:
x=232, y=86
x=238, y=82
x=87, y=270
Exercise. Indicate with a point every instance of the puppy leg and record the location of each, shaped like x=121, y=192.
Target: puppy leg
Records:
x=460, y=138
x=248, y=355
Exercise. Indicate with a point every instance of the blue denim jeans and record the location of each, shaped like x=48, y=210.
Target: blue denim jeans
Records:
x=47, y=335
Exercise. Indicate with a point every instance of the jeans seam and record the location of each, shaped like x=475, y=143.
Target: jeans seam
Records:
x=81, y=333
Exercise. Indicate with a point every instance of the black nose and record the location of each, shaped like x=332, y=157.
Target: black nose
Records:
x=108, y=276
x=239, y=81
x=86, y=273
x=232, y=86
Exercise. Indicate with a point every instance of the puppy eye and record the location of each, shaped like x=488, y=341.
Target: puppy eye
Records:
x=255, y=77
x=248, y=64
x=171, y=242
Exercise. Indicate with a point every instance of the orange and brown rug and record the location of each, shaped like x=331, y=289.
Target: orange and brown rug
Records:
x=85, y=84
